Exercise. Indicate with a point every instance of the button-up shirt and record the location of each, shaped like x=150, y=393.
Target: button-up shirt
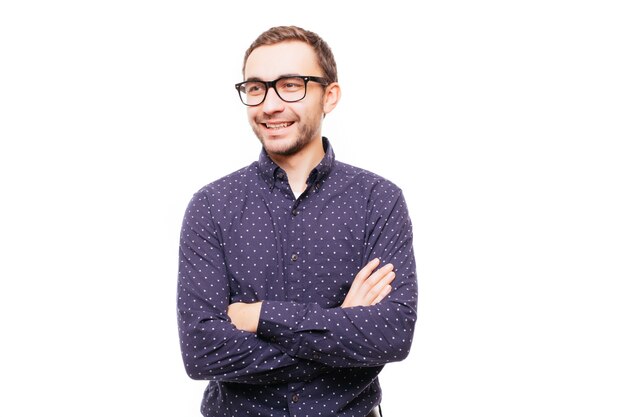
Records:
x=247, y=238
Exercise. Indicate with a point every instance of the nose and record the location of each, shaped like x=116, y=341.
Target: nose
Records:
x=272, y=103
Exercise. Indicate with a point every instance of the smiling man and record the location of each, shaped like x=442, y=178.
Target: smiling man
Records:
x=286, y=128
x=297, y=275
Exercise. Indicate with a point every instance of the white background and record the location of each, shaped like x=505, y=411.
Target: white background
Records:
x=503, y=122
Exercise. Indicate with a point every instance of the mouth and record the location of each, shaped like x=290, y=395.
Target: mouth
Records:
x=277, y=125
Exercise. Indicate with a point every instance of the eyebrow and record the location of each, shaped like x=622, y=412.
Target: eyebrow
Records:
x=280, y=76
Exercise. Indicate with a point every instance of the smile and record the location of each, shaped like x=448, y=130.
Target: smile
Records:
x=277, y=125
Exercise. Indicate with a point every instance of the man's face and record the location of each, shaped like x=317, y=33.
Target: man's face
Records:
x=286, y=128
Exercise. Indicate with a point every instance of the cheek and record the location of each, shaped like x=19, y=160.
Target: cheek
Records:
x=306, y=111
x=251, y=111
x=312, y=114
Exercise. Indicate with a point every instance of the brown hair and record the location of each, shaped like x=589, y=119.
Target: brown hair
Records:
x=278, y=34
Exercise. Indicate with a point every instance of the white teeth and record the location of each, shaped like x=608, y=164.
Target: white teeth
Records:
x=276, y=125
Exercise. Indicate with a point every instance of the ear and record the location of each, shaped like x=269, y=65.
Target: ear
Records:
x=332, y=94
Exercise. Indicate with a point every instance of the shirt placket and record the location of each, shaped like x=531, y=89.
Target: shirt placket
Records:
x=293, y=249
x=294, y=255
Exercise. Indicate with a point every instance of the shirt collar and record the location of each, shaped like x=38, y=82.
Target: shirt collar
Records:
x=269, y=170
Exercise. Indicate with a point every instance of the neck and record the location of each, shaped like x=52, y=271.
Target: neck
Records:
x=299, y=165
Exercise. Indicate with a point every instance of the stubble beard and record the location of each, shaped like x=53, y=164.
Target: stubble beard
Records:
x=306, y=134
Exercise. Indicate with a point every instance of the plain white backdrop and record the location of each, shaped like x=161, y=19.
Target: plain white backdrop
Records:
x=503, y=122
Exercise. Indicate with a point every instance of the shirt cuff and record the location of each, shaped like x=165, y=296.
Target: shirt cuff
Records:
x=286, y=325
x=278, y=322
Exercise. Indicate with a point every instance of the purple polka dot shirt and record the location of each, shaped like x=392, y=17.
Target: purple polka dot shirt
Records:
x=246, y=238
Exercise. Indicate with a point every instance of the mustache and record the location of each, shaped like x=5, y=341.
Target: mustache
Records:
x=270, y=119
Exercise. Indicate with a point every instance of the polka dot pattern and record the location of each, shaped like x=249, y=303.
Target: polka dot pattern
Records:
x=245, y=237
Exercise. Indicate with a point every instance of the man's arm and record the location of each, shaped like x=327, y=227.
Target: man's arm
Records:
x=357, y=336
x=212, y=347
x=368, y=288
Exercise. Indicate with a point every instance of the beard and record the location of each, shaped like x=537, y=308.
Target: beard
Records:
x=306, y=134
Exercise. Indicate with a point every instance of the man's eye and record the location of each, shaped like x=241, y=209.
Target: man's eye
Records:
x=254, y=89
x=291, y=84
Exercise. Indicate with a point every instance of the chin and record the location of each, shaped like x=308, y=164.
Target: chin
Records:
x=282, y=146
x=287, y=145
x=285, y=150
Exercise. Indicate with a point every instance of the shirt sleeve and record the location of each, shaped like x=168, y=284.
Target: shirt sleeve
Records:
x=212, y=347
x=357, y=336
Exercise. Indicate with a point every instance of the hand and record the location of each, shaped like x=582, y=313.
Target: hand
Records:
x=369, y=287
x=245, y=316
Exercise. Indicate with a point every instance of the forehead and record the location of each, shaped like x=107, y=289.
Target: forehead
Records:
x=269, y=62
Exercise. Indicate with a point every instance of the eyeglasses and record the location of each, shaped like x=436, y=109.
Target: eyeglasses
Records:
x=289, y=89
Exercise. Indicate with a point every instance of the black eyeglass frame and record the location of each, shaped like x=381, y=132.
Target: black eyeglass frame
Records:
x=272, y=84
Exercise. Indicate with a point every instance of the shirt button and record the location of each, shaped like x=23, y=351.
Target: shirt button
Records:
x=294, y=212
x=294, y=257
x=280, y=175
x=295, y=398
x=316, y=356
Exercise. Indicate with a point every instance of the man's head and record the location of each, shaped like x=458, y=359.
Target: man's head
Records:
x=287, y=115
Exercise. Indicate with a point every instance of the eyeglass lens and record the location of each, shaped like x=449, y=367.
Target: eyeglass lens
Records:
x=289, y=89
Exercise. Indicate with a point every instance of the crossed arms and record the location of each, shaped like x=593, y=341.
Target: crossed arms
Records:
x=369, y=287
x=284, y=341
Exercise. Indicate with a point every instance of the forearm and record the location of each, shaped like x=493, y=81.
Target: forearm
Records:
x=214, y=349
x=338, y=337
x=280, y=325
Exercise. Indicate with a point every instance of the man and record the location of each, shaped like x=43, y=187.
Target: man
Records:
x=297, y=274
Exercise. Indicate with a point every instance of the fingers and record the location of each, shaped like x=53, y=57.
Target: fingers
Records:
x=385, y=292
x=380, y=284
x=370, y=286
x=367, y=270
x=359, y=279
